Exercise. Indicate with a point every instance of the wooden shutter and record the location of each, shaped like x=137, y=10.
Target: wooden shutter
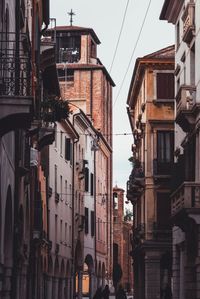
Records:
x=165, y=86
x=92, y=224
x=67, y=149
x=86, y=220
x=91, y=184
x=86, y=179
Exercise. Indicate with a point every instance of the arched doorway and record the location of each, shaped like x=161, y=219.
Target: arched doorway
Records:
x=88, y=276
x=78, y=270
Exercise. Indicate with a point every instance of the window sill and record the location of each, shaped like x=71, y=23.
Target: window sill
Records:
x=163, y=101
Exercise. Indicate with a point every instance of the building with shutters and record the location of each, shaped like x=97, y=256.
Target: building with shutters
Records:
x=151, y=114
x=86, y=83
x=185, y=198
x=60, y=211
x=84, y=206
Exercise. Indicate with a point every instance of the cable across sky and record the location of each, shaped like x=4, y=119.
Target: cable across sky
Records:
x=133, y=52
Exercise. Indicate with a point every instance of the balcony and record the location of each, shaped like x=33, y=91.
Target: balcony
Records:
x=136, y=183
x=185, y=200
x=186, y=107
x=15, y=83
x=188, y=18
x=46, y=136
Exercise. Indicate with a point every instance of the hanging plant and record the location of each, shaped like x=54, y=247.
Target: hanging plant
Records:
x=55, y=109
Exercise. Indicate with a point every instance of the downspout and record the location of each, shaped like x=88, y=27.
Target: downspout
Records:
x=73, y=218
x=95, y=202
x=91, y=95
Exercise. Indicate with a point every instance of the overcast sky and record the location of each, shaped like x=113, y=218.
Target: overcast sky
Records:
x=105, y=17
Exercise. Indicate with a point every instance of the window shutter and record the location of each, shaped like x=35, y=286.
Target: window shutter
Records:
x=92, y=224
x=91, y=184
x=86, y=220
x=67, y=149
x=165, y=86
x=86, y=179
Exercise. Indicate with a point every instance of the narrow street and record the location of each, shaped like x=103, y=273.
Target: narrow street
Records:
x=99, y=149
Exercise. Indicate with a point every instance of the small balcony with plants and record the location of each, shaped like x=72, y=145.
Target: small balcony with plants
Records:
x=186, y=107
x=16, y=101
x=136, y=182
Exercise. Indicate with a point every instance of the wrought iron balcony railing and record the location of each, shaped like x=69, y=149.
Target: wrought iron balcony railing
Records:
x=15, y=65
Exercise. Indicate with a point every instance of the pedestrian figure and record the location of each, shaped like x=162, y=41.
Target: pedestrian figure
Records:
x=106, y=292
x=121, y=293
x=98, y=293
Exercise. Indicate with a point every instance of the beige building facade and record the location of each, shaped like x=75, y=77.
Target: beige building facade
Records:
x=151, y=114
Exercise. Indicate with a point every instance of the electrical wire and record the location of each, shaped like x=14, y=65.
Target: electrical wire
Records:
x=127, y=69
x=118, y=40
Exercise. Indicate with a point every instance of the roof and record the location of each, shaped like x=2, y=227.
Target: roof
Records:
x=163, y=56
x=170, y=10
x=82, y=30
x=165, y=53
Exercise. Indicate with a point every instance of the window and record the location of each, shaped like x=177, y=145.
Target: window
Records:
x=56, y=228
x=61, y=232
x=93, y=49
x=91, y=184
x=61, y=188
x=165, y=146
x=86, y=179
x=65, y=232
x=165, y=149
x=165, y=86
x=55, y=135
x=68, y=149
x=61, y=142
x=66, y=75
x=70, y=233
x=86, y=220
x=115, y=201
x=177, y=35
x=55, y=178
x=66, y=192
x=192, y=65
x=92, y=222
x=98, y=227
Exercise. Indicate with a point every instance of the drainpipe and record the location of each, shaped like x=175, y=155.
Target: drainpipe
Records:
x=91, y=95
x=95, y=202
x=73, y=210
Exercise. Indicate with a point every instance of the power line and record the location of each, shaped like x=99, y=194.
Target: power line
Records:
x=122, y=25
x=120, y=88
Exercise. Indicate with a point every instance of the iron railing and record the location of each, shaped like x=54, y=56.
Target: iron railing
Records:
x=15, y=65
